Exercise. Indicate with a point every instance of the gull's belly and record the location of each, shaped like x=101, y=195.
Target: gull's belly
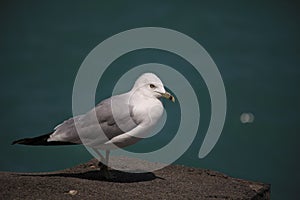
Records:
x=146, y=118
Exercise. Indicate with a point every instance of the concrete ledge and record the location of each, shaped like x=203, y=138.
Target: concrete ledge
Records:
x=172, y=182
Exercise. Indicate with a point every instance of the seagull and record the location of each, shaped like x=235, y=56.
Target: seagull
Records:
x=118, y=122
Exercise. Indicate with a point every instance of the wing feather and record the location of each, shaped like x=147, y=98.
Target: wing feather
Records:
x=89, y=128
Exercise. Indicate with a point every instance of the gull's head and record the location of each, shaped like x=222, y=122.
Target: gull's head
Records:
x=149, y=85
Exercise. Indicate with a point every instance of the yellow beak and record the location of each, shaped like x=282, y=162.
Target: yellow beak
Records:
x=167, y=95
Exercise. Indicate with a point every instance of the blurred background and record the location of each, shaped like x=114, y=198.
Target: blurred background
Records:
x=255, y=45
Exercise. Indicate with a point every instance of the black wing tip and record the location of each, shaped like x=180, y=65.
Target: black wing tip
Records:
x=15, y=142
x=40, y=141
x=22, y=141
x=27, y=141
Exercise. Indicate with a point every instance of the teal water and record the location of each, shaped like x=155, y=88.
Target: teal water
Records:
x=254, y=44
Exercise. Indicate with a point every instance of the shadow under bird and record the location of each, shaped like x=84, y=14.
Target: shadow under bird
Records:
x=116, y=122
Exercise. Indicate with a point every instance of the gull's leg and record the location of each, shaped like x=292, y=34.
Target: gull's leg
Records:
x=102, y=160
x=103, y=163
x=107, y=156
x=104, y=168
x=100, y=155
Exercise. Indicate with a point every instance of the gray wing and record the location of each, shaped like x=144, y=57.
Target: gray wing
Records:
x=89, y=127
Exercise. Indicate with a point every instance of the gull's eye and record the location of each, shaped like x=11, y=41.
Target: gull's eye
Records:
x=152, y=86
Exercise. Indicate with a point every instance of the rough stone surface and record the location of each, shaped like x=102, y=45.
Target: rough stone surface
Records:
x=172, y=182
